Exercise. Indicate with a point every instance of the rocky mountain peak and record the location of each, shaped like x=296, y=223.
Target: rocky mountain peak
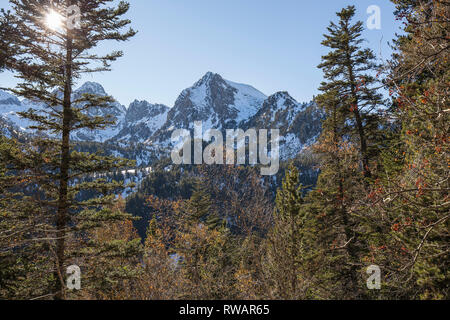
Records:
x=92, y=88
x=139, y=110
x=218, y=103
x=142, y=120
x=281, y=95
x=208, y=78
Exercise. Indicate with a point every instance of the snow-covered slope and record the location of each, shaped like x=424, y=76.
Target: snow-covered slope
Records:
x=8, y=130
x=141, y=121
x=247, y=100
x=115, y=109
x=10, y=106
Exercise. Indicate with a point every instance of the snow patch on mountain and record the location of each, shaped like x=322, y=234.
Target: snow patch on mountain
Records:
x=247, y=100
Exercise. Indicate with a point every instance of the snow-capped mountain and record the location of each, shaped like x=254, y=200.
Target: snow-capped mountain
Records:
x=7, y=129
x=299, y=123
x=115, y=109
x=220, y=104
x=142, y=120
x=10, y=106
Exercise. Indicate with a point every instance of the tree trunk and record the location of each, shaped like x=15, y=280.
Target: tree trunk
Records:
x=62, y=213
x=359, y=125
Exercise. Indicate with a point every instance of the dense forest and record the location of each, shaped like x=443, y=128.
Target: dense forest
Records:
x=372, y=191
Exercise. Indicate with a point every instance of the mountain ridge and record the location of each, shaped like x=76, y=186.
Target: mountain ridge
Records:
x=219, y=103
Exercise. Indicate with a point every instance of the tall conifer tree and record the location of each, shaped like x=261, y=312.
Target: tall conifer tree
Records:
x=288, y=240
x=347, y=145
x=347, y=71
x=339, y=185
x=55, y=48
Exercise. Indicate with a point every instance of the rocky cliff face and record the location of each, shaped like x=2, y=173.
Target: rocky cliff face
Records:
x=299, y=123
x=142, y=120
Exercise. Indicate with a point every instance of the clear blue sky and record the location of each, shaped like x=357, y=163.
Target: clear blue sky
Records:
x=273, y=45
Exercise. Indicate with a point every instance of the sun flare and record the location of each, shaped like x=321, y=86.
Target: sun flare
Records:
x=53, y=20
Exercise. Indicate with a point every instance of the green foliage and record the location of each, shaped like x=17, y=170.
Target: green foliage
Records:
x=48, y=168
x=348, y=70
x=412, y=192
x=199, y=205
x=289, y=242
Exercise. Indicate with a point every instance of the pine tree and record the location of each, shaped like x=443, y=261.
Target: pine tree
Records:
x=8, y=33
x=288, y=240
x=49, y=60
x=338, y=187
x=348, y=148
x=207, y=261
x=214, y=221
x=206, y=249
x=347, y=71
x=112, y=260
x=199, y=205
x=21, y=263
